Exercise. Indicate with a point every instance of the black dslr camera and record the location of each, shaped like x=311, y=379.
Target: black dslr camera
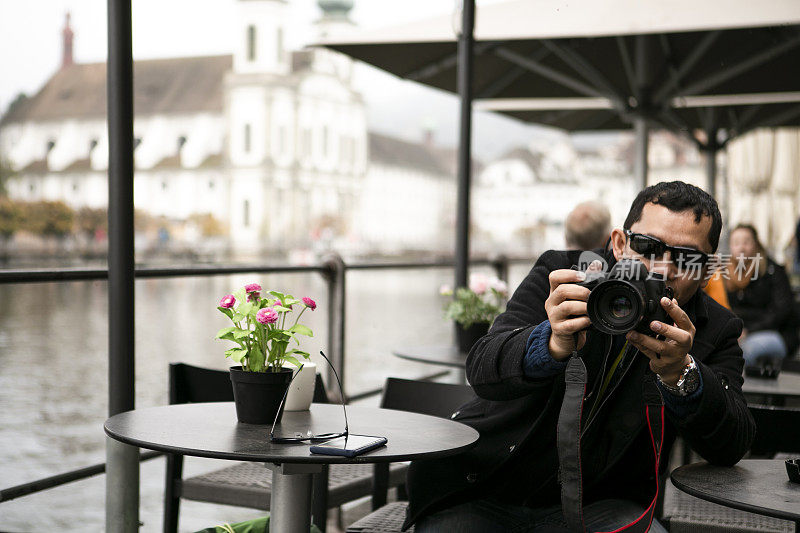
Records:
x=626, y=298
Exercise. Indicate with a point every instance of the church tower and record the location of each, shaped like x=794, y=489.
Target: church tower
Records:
x=334, y=21
x=260, y=27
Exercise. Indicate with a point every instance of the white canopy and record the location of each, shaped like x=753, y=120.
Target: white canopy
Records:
x=555, y=19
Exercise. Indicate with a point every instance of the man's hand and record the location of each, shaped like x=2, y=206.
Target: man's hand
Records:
x=670, y=356
x=566, y=310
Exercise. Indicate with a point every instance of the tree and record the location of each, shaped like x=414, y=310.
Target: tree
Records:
x=6, y=172
x=208, y=225
x=89, y=221
x=49, y=219
x=10, y=218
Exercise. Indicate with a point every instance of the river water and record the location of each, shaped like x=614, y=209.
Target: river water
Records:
x=53, y=374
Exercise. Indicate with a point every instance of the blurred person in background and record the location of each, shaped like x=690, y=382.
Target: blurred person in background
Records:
x=587, y=226
x=759, y=293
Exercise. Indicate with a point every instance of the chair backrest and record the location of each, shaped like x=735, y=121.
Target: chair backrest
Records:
x=190, y=384
x=425, y=397
x=777, y=429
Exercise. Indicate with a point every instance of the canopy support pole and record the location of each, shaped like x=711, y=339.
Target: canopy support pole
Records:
x=122, y=480
x=641, y=127
x=465, y=57
x=642, y=145
x=712, y=147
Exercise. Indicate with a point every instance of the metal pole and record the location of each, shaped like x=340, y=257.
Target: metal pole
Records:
x=642, y=145
x=643, y=68
x=465, y=43
x=712, y=147
x=122, y=479
x=335, y=277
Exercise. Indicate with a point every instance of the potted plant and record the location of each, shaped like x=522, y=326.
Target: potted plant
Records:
x=262, y=330
x=474, y=308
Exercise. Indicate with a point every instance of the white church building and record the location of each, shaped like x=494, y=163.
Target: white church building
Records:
x=272, y=142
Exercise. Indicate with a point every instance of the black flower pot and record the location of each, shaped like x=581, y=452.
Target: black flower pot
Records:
x=258, y=394
x=466, y=337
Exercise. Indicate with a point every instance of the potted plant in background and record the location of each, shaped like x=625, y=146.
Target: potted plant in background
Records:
x=474, y=308
x=262, y=330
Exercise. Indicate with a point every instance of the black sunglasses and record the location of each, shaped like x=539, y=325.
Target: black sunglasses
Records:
x=308, y=437
x=651, y=247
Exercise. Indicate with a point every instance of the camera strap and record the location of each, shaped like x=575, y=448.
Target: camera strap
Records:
x=569, y=446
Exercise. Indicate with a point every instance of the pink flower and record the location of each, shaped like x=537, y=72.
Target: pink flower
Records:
x=227, y=301
x=478, y=283
x=498, y=285
x=309, y=302
x=252, y=287
x=267, y=315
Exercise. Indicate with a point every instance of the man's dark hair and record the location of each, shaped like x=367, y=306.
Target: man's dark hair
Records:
x=679, y=196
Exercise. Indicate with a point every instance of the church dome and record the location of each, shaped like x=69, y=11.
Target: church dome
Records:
x=335, y=8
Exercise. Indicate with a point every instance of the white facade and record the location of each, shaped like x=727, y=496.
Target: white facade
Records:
x=282, y=155
x=404, y=209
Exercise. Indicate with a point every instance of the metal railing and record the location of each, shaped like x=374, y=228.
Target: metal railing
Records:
x=333, y=270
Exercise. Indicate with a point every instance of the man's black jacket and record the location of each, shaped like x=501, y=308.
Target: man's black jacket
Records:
x=517, y=416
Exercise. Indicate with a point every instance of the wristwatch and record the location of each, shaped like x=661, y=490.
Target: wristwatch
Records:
x=687, y=383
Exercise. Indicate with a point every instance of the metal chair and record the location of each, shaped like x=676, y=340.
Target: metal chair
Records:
x=425, y=397
x=777, y=431
x=246, y=484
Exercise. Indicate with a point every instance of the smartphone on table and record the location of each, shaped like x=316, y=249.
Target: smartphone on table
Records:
x=349, y=446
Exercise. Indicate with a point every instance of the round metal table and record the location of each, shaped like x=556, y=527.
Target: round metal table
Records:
x=786, y=385
x=437, y=354
x=755, y=485
x=211, y=430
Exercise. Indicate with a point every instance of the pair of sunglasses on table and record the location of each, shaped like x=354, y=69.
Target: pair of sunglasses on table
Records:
x=309, y=437
x=653, y=248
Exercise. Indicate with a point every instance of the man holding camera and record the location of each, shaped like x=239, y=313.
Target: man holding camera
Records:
x=576, y=424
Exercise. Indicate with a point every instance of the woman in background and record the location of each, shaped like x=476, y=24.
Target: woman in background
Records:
x=759, y=293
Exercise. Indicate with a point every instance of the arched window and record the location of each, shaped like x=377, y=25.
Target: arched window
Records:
x=251, y=43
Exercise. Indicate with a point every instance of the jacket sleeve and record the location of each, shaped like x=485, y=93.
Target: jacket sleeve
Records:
x=722, y=428
x=495, y=363
x=781, y=303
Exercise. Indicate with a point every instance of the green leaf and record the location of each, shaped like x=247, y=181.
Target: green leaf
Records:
x=256, y=359
x=245, y=308
x=241, y=333
x=226, y=311
x=299, y=352
x=290, y=301
x=238, y=317
x=292, y=360
x=279, y=295
x=237, y=354
x=225, y=331
x=281, y=309
x=240, y=295
x=302, y=330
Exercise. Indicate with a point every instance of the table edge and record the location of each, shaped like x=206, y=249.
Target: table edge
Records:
x=774, y=513
x=311, y=459
x=428, y=361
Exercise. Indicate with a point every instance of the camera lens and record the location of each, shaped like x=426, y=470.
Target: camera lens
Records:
x=615, y=307
x=621, y=307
